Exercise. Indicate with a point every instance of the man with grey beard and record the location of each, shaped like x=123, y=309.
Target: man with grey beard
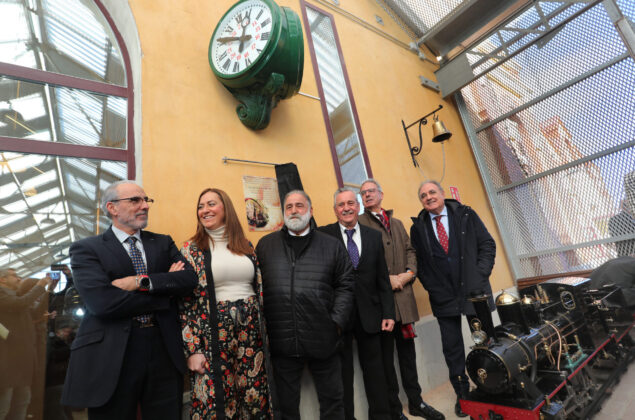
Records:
x=128, y=351
x=308, y=298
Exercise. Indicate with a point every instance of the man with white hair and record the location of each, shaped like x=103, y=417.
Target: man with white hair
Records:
x=402, y=266
x=128, y=351
x=374, y=308
x=308, y=298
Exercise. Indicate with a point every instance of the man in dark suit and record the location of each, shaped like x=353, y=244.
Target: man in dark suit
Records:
x=128, y=350
x=455, y=257
x=374, y=307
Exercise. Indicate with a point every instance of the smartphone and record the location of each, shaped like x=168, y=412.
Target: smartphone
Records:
x=54, y=275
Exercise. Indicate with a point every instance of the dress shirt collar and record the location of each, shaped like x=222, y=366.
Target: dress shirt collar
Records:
x=444, y=212
x=122, y=236
x=343, y=228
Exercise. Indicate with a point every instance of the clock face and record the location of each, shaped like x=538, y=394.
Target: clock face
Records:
x=241, y=37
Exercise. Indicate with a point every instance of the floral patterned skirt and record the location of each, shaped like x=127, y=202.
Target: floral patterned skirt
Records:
x=242, y=366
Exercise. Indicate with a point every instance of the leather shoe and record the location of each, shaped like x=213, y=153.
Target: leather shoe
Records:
x=457, y=409
x=426, y=411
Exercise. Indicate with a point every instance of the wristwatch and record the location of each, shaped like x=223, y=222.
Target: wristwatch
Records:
x=143, y=283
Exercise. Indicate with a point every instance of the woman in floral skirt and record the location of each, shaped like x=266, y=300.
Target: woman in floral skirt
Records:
x=223, y=330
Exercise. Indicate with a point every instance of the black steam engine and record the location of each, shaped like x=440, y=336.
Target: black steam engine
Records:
x=559, y=348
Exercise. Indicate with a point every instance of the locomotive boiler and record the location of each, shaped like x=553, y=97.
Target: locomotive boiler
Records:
x=559, y=348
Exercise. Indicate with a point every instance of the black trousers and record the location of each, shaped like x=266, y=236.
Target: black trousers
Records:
x=453, y=347
x=148, y=378
x=407, y=357
x=369, y=351
x=327, y=377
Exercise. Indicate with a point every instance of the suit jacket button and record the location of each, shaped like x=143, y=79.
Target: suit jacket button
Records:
x=388, y=243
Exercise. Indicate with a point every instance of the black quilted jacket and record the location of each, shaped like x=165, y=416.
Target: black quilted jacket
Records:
x=306, y=297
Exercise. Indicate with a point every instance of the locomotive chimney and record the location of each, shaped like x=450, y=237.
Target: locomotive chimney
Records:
x=481, y=306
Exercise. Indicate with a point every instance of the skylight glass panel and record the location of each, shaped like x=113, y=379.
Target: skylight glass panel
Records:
x=41, y=197
x=118, y=105
x=80, y=119
x=81, y=188
x=15, y=207
x=50, y=233
x=117, y=169
x=31, y=107
x=21, y=235
x=12, y=22
x=7, y=190
x=39, y=180
x=74, y=31
x=10, y=219
x=84, y=166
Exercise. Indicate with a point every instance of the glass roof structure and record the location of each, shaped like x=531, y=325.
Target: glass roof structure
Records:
x=64, y=106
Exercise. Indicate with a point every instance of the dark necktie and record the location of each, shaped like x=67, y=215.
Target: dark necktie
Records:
x=384, y=220
x=135, y=255
x=140, y=269
x=353, y=251
x=442, y=234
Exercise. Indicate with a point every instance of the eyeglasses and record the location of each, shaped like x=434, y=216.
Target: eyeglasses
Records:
x=135, y=200
x=370, y=191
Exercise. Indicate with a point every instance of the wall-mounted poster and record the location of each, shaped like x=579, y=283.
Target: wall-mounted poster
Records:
x=262, y=203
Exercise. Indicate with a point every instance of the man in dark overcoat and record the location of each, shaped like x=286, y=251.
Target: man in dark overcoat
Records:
x=455, y=257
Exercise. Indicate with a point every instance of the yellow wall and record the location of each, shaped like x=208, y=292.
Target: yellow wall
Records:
x=189, y=122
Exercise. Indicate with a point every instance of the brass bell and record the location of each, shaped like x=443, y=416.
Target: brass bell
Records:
x=440, y=132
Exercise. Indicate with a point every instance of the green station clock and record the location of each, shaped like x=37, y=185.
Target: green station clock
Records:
x=257, y=53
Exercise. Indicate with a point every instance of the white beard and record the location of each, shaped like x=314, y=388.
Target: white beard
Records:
x=296, y=222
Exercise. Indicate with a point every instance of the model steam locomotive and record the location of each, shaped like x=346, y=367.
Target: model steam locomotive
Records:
x=559, y=348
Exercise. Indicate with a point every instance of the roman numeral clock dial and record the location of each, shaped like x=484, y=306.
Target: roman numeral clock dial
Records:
x=257, y=53
x=241, y=37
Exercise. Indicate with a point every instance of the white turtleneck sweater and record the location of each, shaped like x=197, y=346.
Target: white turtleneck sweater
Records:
x=233, y=274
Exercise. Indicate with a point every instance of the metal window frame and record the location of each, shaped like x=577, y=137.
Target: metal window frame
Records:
x=318, y=80
x=10, y=144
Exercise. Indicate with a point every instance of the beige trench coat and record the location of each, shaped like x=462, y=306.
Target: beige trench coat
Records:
x=400, y=257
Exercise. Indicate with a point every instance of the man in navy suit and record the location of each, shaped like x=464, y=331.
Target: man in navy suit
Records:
x=128, y=350
x=374, y=305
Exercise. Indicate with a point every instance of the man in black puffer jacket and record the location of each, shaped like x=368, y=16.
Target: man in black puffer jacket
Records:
x=307, y=282
x=455, y=257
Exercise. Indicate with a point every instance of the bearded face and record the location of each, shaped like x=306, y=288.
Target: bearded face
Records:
x=297, y=222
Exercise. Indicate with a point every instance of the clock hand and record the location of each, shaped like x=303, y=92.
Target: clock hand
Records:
x=244, y=24
x=234, y=38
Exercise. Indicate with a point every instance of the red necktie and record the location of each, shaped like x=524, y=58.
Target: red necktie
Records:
x=384, y=220
x=442, y=234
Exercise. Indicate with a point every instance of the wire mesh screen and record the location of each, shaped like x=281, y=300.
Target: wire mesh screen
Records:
x=539, y=69
x=628, y=8
x=555, y=138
